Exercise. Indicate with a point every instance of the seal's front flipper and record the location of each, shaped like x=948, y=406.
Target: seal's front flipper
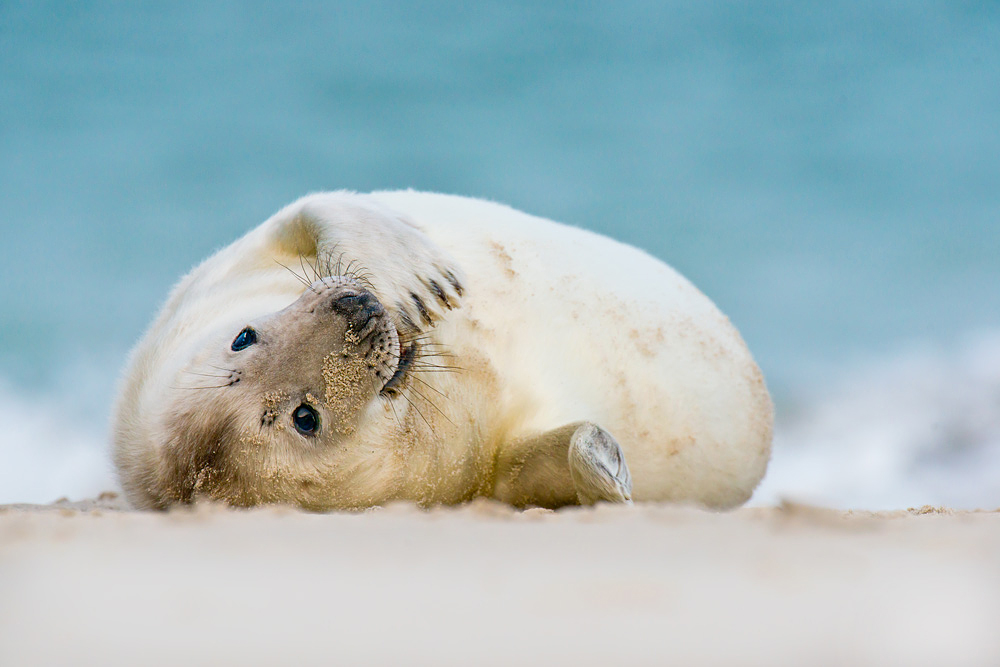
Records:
x=576, y=464
x=597, y=466
x=350, y=234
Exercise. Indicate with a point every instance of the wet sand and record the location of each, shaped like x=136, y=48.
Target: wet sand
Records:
x=92, y=583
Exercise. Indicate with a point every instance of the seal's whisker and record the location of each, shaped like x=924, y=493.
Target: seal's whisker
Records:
x=297, y=276
x=431, y=353
x=431, y=361
x=356, y=272
x=351, y=271
x=434, y=370
x=436, y=365
x=395, y=415
x=304, y=278
x=425, y=366
x=387, y=368
x=309, y=268
x=432, y=404
x=413, y=405
x=431, y=387
x=375, y=383
x=365, y=281
x=306, y=266
x=425, y=343
x=428, y=340
x=331, y=263
x=287, y=268
x=423, y=336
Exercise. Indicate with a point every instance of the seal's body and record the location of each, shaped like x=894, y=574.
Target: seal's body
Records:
x=357, y=349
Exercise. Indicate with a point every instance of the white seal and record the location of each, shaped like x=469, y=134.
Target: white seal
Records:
x=358, y=349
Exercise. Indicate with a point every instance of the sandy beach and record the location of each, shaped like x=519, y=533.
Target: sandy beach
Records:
x=92, y=583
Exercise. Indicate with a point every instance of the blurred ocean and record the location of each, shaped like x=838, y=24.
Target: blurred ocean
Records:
x=829, y=173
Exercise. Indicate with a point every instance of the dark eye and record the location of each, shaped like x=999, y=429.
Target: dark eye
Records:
x=245, y=339
x=306, y=420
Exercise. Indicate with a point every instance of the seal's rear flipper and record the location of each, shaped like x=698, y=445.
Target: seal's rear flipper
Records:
x=597, y=466
x=575, y=464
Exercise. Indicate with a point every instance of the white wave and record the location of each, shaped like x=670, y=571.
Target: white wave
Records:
x=919, y=428
x=53, y=443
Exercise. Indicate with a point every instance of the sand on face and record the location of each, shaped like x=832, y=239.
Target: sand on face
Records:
x=88, y=583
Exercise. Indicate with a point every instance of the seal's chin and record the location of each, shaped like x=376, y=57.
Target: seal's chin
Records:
x=407, y=353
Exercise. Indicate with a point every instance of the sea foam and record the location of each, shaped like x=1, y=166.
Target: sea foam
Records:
x=53, y=442
x=920, y=427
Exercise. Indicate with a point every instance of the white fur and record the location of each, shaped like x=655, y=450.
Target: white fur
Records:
x=557, y=325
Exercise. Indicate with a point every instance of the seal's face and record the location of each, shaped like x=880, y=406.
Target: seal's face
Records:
x=289, y=404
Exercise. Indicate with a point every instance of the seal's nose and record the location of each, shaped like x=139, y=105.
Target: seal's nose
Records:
x=358, y=309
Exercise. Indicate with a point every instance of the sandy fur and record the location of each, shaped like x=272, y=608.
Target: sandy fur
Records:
x=553, y=325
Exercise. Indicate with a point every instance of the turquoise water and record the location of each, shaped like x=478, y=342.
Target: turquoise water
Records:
x=829, y=173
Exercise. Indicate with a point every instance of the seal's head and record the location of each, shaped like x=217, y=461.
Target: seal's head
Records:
x=288, y=406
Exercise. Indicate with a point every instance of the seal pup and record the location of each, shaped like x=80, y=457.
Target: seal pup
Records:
x=358, y=349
